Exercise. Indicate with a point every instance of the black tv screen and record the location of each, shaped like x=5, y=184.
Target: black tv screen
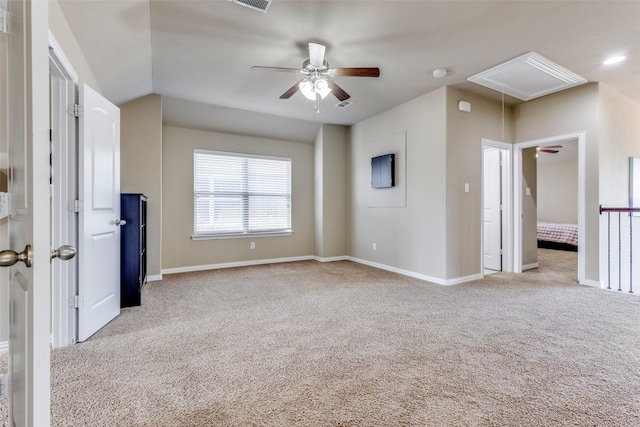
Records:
x=383, y=171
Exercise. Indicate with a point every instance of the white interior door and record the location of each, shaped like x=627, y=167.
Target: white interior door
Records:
x=99, y=217
x=26, y=108
x=492, y=223
x=64, y=167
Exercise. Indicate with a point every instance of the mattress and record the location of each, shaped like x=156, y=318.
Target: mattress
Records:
x=558, y=233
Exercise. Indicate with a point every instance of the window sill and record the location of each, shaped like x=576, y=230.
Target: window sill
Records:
x=240, y=235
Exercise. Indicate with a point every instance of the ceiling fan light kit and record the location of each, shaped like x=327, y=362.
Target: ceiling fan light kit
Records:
x=318, y=84
x=311, y=88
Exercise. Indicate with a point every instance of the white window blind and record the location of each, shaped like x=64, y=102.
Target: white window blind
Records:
x=240, y=194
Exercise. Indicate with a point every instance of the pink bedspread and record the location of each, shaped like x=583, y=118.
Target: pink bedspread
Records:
x=559, y=233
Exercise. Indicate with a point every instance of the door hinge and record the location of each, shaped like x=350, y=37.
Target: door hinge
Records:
x=4, y=21
x=4, y=385
x=76, y=110
x=75, y=206
x=77, y=301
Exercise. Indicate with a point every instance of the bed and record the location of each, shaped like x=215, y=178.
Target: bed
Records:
x=558, y=236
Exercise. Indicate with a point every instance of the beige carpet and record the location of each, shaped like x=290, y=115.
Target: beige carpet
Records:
x=342, y=344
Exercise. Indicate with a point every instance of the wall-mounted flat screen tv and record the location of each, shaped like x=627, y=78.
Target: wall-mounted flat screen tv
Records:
x=383, y=171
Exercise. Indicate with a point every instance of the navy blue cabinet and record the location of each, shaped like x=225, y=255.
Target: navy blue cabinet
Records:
x=133, y=249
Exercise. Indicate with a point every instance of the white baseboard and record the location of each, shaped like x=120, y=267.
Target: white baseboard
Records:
x=331, y=259
x=234, y=264
x=436, y=280
x=408, y=273
x=529, y=266
x=593, y=283
x=4, y=347
x=154, y=277
x=464, y=279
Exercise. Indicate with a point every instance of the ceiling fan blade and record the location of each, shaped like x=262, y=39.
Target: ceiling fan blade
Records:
x=357, y=72
x=337, y=91
x=316, y=54
x=286, y=70
x=545, y=150
x=552, y=146
x=291, y=91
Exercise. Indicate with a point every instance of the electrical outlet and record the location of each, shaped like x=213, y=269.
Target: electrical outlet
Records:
x=374, y=247
x=253, y=245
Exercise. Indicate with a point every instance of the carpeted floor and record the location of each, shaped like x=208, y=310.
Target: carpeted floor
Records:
x=342, y=344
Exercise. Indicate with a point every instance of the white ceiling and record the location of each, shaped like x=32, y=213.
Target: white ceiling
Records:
x=198, y=54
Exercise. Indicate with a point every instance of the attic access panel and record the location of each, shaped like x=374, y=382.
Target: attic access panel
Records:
x=527, y=77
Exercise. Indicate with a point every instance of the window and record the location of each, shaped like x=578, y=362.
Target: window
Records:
x=237, y=194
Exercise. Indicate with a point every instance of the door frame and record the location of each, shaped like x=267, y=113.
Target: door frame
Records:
x=33, y=326
x=507, y=204
x=580, y=137
x=64, y=275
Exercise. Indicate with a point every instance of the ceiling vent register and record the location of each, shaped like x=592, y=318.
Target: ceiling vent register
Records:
x=261, y=5
x=528, y=77
x=344, y=104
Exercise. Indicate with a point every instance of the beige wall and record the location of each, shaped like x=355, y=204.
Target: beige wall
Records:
x=558, y=191
x=529, y=207
x=330, y=194
x=464, y=165
x=179, y=250
x=573, y=110
x=619, y=139
x=410, y=237
x=318, y=185
x=141, y=166
x=62, y=32
x=437, y=234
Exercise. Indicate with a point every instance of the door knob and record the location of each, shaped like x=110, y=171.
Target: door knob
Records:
x=121, y=222
x=9, y=257
x=63, y=252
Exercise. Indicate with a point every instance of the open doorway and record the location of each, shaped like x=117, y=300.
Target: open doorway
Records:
x=64, y=190
x=497, y=246
x=85, y=202
x=526, y=197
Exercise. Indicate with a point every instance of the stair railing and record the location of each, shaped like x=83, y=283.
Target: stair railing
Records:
x=630, y=213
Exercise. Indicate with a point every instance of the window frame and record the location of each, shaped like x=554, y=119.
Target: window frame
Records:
x=245, y=195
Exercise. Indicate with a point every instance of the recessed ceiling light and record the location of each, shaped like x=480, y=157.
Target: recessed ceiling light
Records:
x=614, y=60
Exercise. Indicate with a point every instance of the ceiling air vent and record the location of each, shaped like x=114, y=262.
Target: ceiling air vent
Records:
x=528, y=77
x=261, y=5
x=344, y=104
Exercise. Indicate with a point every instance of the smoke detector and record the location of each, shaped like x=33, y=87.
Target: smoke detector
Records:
x=439, y=72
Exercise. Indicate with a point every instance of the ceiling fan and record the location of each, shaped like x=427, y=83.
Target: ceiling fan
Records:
x=317, y=83
x=552, y=149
